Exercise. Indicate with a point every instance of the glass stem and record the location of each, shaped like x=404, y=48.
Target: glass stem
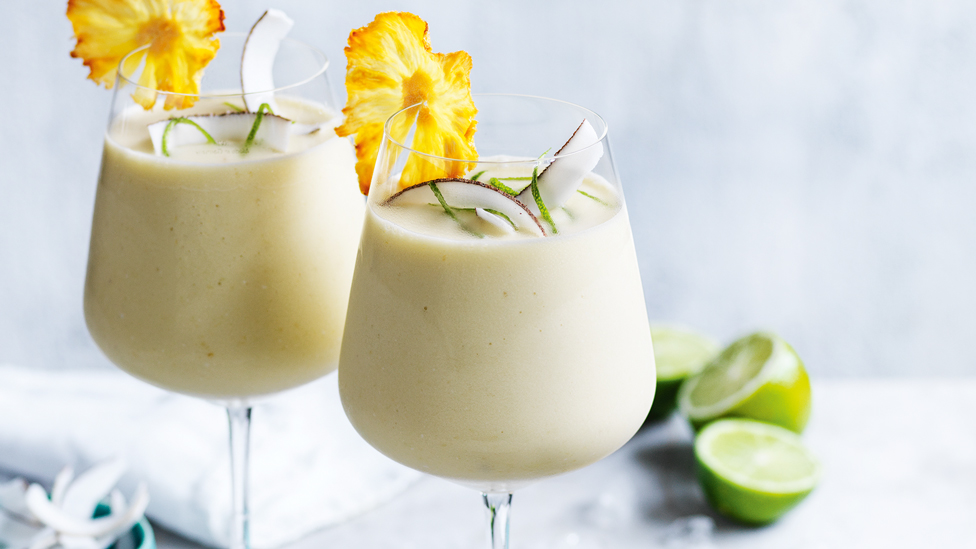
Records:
x=498, y=507
x=239, y=420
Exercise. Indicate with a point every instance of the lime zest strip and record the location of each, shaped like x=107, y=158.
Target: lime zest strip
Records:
x=183, y=120
x=450, y=210
x=477, y=175
x=591, y=197
x=489, y=210
x=443, y=203
x=537, y=196
x=259, y=115
x=501, y=215
x=495, y=182
x=235, y=107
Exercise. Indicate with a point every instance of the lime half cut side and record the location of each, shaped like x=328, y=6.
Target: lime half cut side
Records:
x=678, y=354
x=757, y=377
x=753, y=471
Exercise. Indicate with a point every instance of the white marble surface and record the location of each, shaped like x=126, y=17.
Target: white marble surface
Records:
x=805, y=166
x=900, y=472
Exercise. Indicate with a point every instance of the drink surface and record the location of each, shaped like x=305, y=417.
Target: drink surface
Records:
x=496, y=360
x=217, y=274
x=594, y=203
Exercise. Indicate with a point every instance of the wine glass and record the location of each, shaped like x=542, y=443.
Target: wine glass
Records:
x=222, y=271
x=487, y=356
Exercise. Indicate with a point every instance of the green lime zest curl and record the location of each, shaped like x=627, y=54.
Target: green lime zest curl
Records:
x=450, y=210
x=258, y=116
x=489, y=210
x=495, y=182
x=442, y=201
x=537, y=196
x=591, y=197
x=182, y=120
x=503, y=216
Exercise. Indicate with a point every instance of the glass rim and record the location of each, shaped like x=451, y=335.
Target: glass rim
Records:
x=600, y=138
x=121, y=77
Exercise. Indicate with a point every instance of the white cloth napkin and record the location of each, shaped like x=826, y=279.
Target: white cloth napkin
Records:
x=309, y=467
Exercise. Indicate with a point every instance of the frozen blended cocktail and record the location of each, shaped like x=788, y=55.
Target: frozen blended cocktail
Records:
x=496, y=331
x=217, y=273
x=226, y=221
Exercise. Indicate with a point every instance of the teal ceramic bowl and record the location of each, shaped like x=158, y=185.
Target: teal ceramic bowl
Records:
x=139, y=537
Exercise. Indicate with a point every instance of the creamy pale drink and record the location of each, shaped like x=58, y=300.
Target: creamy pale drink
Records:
x=502, y=358
x=227, y=212
x=220, y=274
x=496, y=331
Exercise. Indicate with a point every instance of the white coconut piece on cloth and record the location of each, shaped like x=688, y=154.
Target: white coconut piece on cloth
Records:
x=83, y=493
x=34, y=519
x=121, y=518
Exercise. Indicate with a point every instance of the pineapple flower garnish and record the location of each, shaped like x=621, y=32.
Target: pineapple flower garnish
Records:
x=179, y=35
x=64, y=517
x=390, y=66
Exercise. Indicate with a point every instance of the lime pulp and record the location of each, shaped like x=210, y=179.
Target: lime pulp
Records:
x=753, y=471
x=758, y=377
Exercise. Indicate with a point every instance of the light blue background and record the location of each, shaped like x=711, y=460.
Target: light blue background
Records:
x=801, y=166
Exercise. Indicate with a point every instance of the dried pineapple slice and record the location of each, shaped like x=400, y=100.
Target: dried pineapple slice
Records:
x=390, y=66
x=180, y=35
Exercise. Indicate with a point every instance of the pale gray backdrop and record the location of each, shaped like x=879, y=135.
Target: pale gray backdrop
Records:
x=802, y=166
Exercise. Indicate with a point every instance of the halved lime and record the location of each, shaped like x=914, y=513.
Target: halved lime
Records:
x=678, y=353
x=753, y=471
x=759, y=377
